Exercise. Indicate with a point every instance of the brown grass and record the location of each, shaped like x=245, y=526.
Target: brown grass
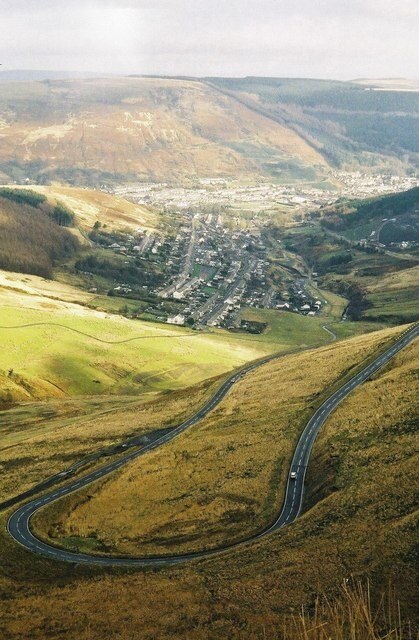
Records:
x=350, y=615
x=89, y=206
x=361, y=523
x=40, y=439
x=142, y=129
x=223, y=479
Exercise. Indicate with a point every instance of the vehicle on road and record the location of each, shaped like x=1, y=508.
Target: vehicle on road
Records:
x=293, y=475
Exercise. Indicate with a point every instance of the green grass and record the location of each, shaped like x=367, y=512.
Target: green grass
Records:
x=54, y=351
x=71, y=351
x=93, y=354
x=399, y=306
x=286, y=328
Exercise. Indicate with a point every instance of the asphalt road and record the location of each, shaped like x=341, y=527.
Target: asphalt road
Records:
x=19, y=522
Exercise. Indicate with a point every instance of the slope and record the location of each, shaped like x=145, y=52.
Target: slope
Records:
x=360, y=522
x=351, y=125
x=96, y=131
x=90, y=206
x=244, y=451
x=31, y=238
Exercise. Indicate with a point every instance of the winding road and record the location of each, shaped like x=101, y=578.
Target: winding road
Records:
x=19, y=522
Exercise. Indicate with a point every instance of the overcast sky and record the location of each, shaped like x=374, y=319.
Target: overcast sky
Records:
x=341, y=39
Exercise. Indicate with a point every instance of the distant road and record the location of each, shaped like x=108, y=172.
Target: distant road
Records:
x=334, y=336
x=19, y=522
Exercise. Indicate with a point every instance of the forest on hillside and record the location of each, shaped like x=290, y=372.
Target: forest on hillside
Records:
x=32, y=240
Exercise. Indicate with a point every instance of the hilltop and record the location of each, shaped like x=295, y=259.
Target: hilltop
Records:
x=104, y=130
x=177, y=130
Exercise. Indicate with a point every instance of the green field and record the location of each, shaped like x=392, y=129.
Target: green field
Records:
x=394, y=306
x=91, y=354
x=50, y=348
x=292, y=330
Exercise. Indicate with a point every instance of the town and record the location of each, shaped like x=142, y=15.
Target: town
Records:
x=265, y=196
x=209, y=273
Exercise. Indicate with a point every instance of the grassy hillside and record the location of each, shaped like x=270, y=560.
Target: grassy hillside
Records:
x=359, y=517
x=90, y=206
x=348, y=123
x=244, y=451
x=32, y=239
x=101, y=130
x=77, y=351
x=55, y=347
x=353, y=217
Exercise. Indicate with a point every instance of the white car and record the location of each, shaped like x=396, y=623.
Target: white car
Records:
x=293, y=475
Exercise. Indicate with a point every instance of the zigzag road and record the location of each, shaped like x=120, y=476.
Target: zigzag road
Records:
x=19, y=522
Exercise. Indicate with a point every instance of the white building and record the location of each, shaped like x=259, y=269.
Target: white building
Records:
x=179, y=319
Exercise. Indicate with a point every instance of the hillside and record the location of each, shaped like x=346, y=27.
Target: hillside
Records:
x=244, y=449
x=349, y=124
x=367, y=252
x=106, y=130
x=103, y=130
x=90, y=206
x=33, y=237
x=359, y=218
x=359, y=517
x=54, y=348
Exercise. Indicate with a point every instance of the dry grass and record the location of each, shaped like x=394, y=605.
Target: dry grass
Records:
x=40, y=439
x=41, y=288
x=89, y=206
x=350, y=615
x=403, y=279
x=363, y=477
x=141, y=131
x=221, y=481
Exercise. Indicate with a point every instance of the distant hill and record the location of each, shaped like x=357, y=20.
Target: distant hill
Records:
x=96, y=131
x=103, y=130
x=350, y=124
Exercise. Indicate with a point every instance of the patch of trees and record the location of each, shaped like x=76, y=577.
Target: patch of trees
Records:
x=356, y=295
x=117, y=271
x=61, y=214
x=31, y=241
x=23, y=196
x=346, y=215
x=336, y=260
x=253, y=326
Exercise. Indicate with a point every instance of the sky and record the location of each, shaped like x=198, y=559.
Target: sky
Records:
x=342, y=39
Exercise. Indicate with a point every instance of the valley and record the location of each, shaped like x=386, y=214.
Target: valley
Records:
x=208, y=364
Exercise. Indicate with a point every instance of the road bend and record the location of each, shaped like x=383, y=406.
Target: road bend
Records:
x=19, y=522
